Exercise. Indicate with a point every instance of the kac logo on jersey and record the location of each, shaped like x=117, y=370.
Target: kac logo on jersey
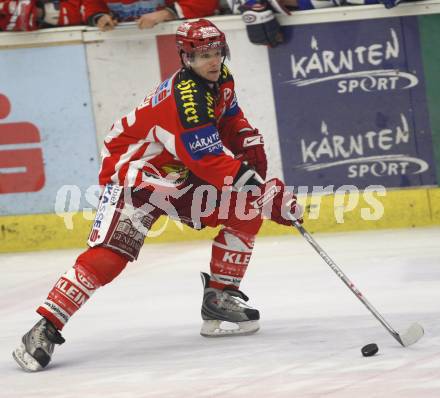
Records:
x=202, y=142
x=162, y=92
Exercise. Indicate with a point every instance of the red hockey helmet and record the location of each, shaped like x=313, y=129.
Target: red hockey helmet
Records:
x=200, y=35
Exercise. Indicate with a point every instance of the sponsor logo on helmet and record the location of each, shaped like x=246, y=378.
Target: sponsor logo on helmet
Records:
x=210, y=46
x=187, y=91
x=209, y=31
x=183, y=29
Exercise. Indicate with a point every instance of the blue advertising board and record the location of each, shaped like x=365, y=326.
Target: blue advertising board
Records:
x=351, y=106
x=47, y=131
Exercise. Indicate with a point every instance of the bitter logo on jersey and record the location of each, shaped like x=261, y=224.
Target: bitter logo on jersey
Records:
x=187, y=91
x=195, y=103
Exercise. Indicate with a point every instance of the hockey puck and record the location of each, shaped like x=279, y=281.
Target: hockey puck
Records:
x=369, y=350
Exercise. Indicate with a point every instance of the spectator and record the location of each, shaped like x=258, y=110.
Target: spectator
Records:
x=60, y=13
x=18, y=16
x=261, y=24
x=27, y=15
x=105, y=14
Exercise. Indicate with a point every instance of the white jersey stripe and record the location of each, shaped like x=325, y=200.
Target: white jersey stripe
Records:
x=131, y=118
x=233, y=243
x=125, y=158
x=168, y=139
x=116, y=131
x=104, y=154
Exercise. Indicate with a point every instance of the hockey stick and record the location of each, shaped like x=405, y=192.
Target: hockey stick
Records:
x=411, y=336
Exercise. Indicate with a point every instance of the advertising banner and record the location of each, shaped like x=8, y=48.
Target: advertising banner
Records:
x=351, y=105
x=47, y=134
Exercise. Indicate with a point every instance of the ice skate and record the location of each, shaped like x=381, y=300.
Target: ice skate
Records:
x=225, y=313
x=37, y=346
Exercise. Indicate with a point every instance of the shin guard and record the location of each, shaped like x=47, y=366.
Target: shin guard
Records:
x=71, y=291
x=231, y=252
x=94, y=268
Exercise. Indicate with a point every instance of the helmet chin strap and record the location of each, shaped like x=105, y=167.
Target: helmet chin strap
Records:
x=185, y=60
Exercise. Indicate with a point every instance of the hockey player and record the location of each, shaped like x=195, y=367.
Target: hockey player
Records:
x=161, y=159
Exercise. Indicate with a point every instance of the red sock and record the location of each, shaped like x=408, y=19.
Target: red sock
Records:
x=231, y=252
x=95, y=267
x=71, y=291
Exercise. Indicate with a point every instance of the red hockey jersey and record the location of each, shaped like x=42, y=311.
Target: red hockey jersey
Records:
x=63, y=13
x=26, y=15
x=181, y=127
x=16, y=16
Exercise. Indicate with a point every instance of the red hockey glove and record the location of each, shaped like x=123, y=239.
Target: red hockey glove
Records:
x=248, y=146
x=277, y=204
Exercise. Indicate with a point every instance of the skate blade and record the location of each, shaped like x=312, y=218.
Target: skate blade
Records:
x=26, y=361
x=216, y=328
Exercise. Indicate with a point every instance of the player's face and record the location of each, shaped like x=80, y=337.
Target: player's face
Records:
x=207, y=64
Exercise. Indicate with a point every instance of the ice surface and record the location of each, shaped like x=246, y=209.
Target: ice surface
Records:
x=139, y=336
